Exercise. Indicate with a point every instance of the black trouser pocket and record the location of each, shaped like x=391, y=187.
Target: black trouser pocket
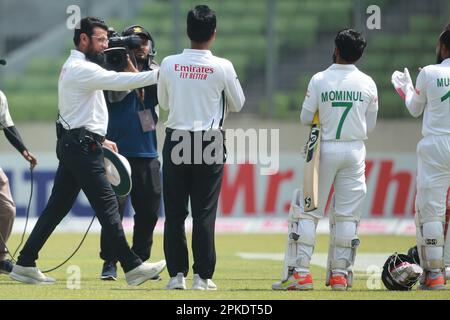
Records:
x=155, y=175
x=70, y=145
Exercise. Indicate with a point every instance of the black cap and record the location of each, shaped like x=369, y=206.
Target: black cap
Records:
x=137, y=30
x=2, y=62
x=140, y=30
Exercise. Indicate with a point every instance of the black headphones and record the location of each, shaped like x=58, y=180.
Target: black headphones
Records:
x=129, y=30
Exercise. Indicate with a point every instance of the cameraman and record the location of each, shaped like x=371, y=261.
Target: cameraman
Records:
x=84, y=118
x=136, y=141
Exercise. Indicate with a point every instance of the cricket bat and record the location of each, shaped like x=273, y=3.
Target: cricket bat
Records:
x=311, y=173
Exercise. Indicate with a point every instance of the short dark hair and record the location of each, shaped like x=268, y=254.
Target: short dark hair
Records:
x=87, y=26
x=351, y=44
x=201, y=23
x=445, y=39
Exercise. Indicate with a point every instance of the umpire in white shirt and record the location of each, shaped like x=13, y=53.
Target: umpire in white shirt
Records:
x=84, y=116
x=197, y=88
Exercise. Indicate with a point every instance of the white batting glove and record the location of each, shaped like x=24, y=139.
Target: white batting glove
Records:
x=402, y=82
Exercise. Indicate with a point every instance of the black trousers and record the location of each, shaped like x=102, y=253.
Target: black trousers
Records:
x=81, y=166
x=145, y=199
x=199, y=183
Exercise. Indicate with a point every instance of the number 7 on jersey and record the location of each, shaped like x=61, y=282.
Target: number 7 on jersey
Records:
x=311, y=173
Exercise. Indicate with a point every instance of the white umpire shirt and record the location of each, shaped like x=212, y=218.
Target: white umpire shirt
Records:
x=432, y=97
x=5, y=117
x=80, y=96
x=190, y=85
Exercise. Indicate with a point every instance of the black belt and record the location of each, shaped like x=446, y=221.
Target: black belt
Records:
x=170, y=130
x=82, y=133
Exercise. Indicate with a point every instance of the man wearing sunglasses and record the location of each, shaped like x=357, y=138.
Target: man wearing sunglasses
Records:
x=83, y=121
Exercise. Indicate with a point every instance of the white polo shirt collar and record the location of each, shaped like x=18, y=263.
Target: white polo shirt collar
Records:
x=198, y=52
x=337, y=66
x=446, y=62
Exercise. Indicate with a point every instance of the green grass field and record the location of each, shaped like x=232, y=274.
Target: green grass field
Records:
x=237, y=278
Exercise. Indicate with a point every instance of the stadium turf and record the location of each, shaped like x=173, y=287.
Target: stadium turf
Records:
x=237, y=278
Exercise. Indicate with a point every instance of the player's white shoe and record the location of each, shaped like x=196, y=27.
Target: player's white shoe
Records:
x=144, y=272
x=177, y=283
x=31, y=275
x=202, y=284
x=433, y=281
x=297, y=281
x=338, y=282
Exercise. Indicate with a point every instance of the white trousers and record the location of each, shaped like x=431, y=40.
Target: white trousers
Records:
x=433, y=181
x=7, y=213
x=342, y=165
x=433, y=177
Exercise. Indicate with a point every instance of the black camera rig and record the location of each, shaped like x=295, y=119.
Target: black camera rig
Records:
x=119, y=48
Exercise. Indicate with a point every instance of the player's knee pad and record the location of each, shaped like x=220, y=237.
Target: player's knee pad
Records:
x=430, y=204
x=342, y=248
x=301, y=237
x=430, y=244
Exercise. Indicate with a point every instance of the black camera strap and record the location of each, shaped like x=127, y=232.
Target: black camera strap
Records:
x=140, y=92
x=145, y=115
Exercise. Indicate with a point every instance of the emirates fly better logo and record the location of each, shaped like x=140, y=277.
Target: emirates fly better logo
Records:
x=193, y=72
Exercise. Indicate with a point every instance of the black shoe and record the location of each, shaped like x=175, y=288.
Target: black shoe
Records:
x=109, y=271
x=6, y=266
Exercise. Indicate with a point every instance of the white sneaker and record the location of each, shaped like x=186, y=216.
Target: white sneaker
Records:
x=31, y=275
x=144, y=272
x=178, y=282
x=202, y=284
